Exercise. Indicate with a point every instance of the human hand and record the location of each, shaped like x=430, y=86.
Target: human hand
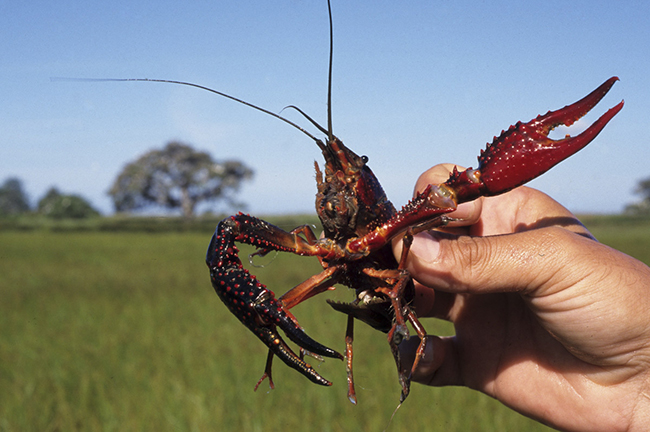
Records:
x=548, y=321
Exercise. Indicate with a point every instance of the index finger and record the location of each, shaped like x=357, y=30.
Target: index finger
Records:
x=467, y=213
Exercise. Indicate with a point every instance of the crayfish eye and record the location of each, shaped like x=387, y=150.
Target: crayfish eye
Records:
x=364, y=159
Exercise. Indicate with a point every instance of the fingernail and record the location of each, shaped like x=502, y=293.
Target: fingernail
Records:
x=429, y=362
x=426, y=247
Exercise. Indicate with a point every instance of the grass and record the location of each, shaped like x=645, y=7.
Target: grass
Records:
x=123, y=223
x=122, y=331
x=627, y=234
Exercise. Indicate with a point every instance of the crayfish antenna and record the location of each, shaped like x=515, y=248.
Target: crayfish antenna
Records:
x=189, y=84
x=330, y=131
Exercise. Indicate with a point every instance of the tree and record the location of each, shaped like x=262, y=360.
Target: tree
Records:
x=56, y=205
x=643, y=206
x=13, y=200
x=177, y=177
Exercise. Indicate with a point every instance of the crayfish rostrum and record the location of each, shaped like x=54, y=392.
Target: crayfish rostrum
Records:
x=359, y=223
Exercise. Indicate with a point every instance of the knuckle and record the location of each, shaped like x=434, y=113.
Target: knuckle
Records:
x=472, y=258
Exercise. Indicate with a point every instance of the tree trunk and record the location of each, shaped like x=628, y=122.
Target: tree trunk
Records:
x=187, y=204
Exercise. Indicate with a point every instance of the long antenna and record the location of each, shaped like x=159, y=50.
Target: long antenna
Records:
x=330, y=132
x=265, y=111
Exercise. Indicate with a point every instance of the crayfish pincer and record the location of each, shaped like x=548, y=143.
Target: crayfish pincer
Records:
x=251, y=302
x=359, y=223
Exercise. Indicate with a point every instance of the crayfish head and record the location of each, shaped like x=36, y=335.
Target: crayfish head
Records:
x=350, y=201
x=340, y=158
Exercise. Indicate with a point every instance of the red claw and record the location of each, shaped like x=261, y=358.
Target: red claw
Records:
x=525, y=151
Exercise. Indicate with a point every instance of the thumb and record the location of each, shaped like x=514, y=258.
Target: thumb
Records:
x=518, y=262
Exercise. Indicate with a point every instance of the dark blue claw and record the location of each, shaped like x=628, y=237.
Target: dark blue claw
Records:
x=255, y=305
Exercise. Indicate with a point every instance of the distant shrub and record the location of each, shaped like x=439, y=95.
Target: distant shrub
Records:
x=13, y=199
x=60, y=206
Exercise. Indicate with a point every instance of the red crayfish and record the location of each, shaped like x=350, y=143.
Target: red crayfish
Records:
x=359, y=223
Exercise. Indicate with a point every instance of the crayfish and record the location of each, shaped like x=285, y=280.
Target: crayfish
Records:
x=359, y=223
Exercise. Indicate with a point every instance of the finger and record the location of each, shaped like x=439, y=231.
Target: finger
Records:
x=520, y=209
x=507, y=263
x=523, y=209
x=466, y=213
x=434, y=175
x=429, y=303
x=439, y=366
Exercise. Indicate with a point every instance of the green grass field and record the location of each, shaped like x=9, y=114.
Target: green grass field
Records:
x=122, y=331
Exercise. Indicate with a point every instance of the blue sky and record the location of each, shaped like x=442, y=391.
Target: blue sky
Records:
x=415, y=84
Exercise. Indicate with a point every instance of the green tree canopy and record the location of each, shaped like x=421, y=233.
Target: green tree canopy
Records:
x=177, y=177
x=13, y=199
x=643, y=206
x=56, y=205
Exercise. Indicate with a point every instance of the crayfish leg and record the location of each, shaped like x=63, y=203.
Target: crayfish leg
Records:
x=404, y=376
x=399, y=330
x=403, y=312
x=419, y=354
x=267, y=372
x=349, y=337
x=316, y=284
